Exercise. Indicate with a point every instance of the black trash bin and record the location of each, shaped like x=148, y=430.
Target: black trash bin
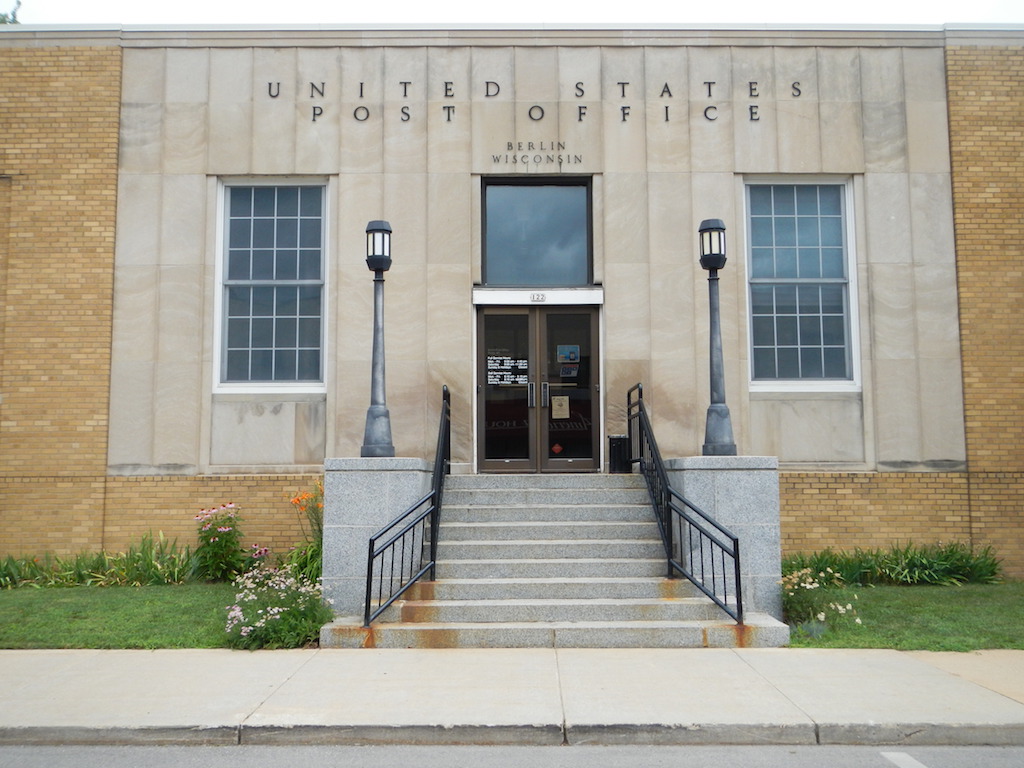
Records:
x=618, y=455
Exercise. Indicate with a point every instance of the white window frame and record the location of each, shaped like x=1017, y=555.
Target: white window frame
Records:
x=219, y=329
x=853, y=384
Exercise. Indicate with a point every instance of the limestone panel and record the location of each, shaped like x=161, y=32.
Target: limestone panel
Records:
x=450, y=118
x=135, y=324
x=579, y=123
x=448, y=313
x=942, y=423
x=623, y=113
x=138, y=214
x=625, y=206
x=887, y=213
x=131, y=414
x=756, y=122
x=927, y=137
x=536, y=75
x=931, y=219
x=898, y=416
x=936, y=312
x=799, y=134
x=808, y=427
x=141, y=142
x=450, y=221
x=182, y=222
x=188, y=75
x=628, y=309
x=176, y=420
x=143, y=75
x=274, y=94
x=233, y=91
x=711, y=111
x=407, y=396
x=261, y=431
x=893, y=321
x=185, y=137
x=842, y=132
x=668, y=110
x=318, y=116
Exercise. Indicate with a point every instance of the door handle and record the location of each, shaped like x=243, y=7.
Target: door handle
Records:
x=531, y=395
x=544, y=394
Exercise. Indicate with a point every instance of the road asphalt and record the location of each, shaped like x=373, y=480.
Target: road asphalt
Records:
x=537, y=696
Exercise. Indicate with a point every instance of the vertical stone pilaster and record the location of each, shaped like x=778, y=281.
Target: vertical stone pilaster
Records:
x=360, y=497
x=742, y=494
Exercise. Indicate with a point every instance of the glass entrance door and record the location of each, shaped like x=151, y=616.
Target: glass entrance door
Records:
x=539, y=405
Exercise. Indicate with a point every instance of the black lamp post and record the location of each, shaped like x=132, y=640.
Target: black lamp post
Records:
x=377, y=437
x=718, y=439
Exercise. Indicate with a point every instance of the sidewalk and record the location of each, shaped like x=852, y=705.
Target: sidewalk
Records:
x=532, y=696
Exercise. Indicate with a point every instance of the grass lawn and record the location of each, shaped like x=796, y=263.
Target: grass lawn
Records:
x=966, y=618
x=181, y=616
x=928, y=618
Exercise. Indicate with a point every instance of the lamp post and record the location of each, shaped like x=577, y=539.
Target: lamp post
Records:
x=718, y=439
x=377, y=437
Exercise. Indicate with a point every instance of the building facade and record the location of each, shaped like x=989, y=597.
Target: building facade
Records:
x=188, y=313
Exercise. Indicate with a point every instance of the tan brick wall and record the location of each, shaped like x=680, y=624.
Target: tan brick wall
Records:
x=139, y=505
x=986, y=105
x=842, y=510
x=59, y=112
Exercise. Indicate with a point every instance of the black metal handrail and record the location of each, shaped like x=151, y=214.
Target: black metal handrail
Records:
x=696, y=546
x=405, y=549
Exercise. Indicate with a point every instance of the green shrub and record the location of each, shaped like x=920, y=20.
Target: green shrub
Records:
x=815, y=600
x=276, y=609
x=944, y=564
x=152, y=561
x=219, y=555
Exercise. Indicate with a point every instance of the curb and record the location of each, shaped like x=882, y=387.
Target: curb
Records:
x=809, y=734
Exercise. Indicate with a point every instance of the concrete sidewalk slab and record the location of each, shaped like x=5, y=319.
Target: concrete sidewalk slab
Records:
x=490, y=696
x=666, y=696
x=887, y=697
x=511, y=696
x=168, y=696
x=1001, y=671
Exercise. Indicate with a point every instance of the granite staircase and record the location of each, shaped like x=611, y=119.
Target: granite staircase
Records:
x=553, y=561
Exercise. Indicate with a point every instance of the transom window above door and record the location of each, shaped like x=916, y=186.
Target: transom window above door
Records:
x=537, y=232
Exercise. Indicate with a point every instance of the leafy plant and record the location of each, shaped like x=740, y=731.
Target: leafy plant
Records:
x=219, y=555
x=817, y=600
x=307, y=558
x=152, y=561
x=276, y=608
x=944, y=564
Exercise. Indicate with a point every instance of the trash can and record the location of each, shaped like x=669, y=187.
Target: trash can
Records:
x=618, y=455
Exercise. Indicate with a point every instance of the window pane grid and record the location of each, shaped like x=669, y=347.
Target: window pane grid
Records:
x=798, y=282
x=273, y=284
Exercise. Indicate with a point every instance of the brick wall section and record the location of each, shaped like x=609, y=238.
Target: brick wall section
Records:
x=59, y=112
x=843, y=510
x=139, y=505
x=986, y=102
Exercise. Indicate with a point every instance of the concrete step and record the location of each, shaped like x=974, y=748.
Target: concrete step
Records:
x=542, y=496
x=759, y=631
x=552, y=588
x=582, y=480
x=552, y=567
x=622, y=610
x=462, y=513
x=505, y=530
x=527, y=549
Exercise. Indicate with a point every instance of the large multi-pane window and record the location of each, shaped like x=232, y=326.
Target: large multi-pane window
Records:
x=273, y=284
x=537, y=232
x=799, y=282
